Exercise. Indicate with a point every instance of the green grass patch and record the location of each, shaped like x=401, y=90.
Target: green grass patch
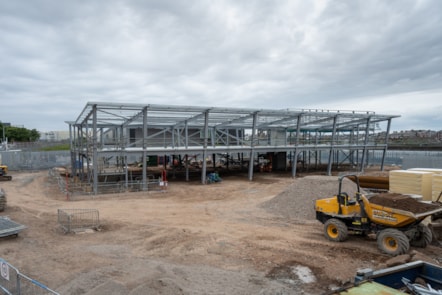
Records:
x=60, y=147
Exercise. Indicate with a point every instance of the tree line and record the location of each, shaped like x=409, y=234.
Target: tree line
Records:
x=18, y=134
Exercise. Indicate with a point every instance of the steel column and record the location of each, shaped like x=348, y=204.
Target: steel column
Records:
x=364, y=153
x=295, y=162
x=144, y=149
x=330, y=155
x=386, y=144
x=94, y=149
x=206, y=135
x=252, y=146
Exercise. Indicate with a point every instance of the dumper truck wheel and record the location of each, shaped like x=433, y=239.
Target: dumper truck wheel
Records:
x=423, y=238
x=393, y=242
x=335, y=230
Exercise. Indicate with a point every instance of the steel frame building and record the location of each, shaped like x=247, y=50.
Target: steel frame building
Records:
x=106, y=130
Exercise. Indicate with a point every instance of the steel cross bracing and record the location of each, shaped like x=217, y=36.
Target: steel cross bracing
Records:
x=110, y=129
x=111, y=114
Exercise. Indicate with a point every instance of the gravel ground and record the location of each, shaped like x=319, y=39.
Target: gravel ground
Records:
x=298, y=199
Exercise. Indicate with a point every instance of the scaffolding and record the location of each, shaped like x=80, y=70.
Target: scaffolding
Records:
x=117, y=133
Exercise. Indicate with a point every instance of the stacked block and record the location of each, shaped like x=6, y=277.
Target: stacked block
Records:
x=432, y=170
x=436, y=186
x=412, y=182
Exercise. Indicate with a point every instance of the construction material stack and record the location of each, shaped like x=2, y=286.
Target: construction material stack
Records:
x=411, y=182
x=436, y=184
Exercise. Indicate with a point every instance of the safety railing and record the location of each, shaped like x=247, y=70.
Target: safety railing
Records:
x=12, y=282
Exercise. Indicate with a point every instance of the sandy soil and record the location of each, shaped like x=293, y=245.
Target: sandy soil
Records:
x=223, y=238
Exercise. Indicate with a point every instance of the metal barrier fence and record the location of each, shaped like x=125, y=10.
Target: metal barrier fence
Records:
x=74, y=189
x=12, y=282
x=26, y=160
x=9, y=280
x=72, y=220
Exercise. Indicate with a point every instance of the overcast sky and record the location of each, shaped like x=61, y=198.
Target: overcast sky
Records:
x=381, y=56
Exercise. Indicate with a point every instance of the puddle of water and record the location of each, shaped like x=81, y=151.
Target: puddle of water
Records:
x=304, y=274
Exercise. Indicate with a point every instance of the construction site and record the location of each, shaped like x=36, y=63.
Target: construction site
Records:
x=113, y=145
x=164, y=199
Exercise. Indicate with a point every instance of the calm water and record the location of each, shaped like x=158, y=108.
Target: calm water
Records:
x=408, y=159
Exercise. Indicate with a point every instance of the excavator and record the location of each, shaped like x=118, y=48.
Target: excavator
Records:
x=3, y=173
x=396, y=227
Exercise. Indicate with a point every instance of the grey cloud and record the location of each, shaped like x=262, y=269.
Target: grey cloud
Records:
x=293, y=54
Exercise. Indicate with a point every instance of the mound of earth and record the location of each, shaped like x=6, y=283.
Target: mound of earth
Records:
x=402, y=202
x=298, y=199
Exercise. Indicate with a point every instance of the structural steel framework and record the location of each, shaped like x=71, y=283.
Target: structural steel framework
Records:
x=118, y=130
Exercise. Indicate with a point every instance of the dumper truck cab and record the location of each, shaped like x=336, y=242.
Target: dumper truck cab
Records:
x=396, y=219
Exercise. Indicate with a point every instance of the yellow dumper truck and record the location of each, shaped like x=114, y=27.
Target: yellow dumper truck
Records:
x=396, y=219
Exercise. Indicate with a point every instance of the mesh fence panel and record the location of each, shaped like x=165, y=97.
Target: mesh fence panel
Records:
x=26, y=160
x=72, y=220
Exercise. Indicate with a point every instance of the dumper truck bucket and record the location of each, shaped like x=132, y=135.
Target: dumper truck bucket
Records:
x=395, y=217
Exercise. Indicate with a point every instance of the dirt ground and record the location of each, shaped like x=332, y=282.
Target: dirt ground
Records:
x=232, y=237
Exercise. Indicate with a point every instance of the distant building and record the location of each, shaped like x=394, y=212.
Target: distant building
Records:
x=54, y=135
x=416, y=135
